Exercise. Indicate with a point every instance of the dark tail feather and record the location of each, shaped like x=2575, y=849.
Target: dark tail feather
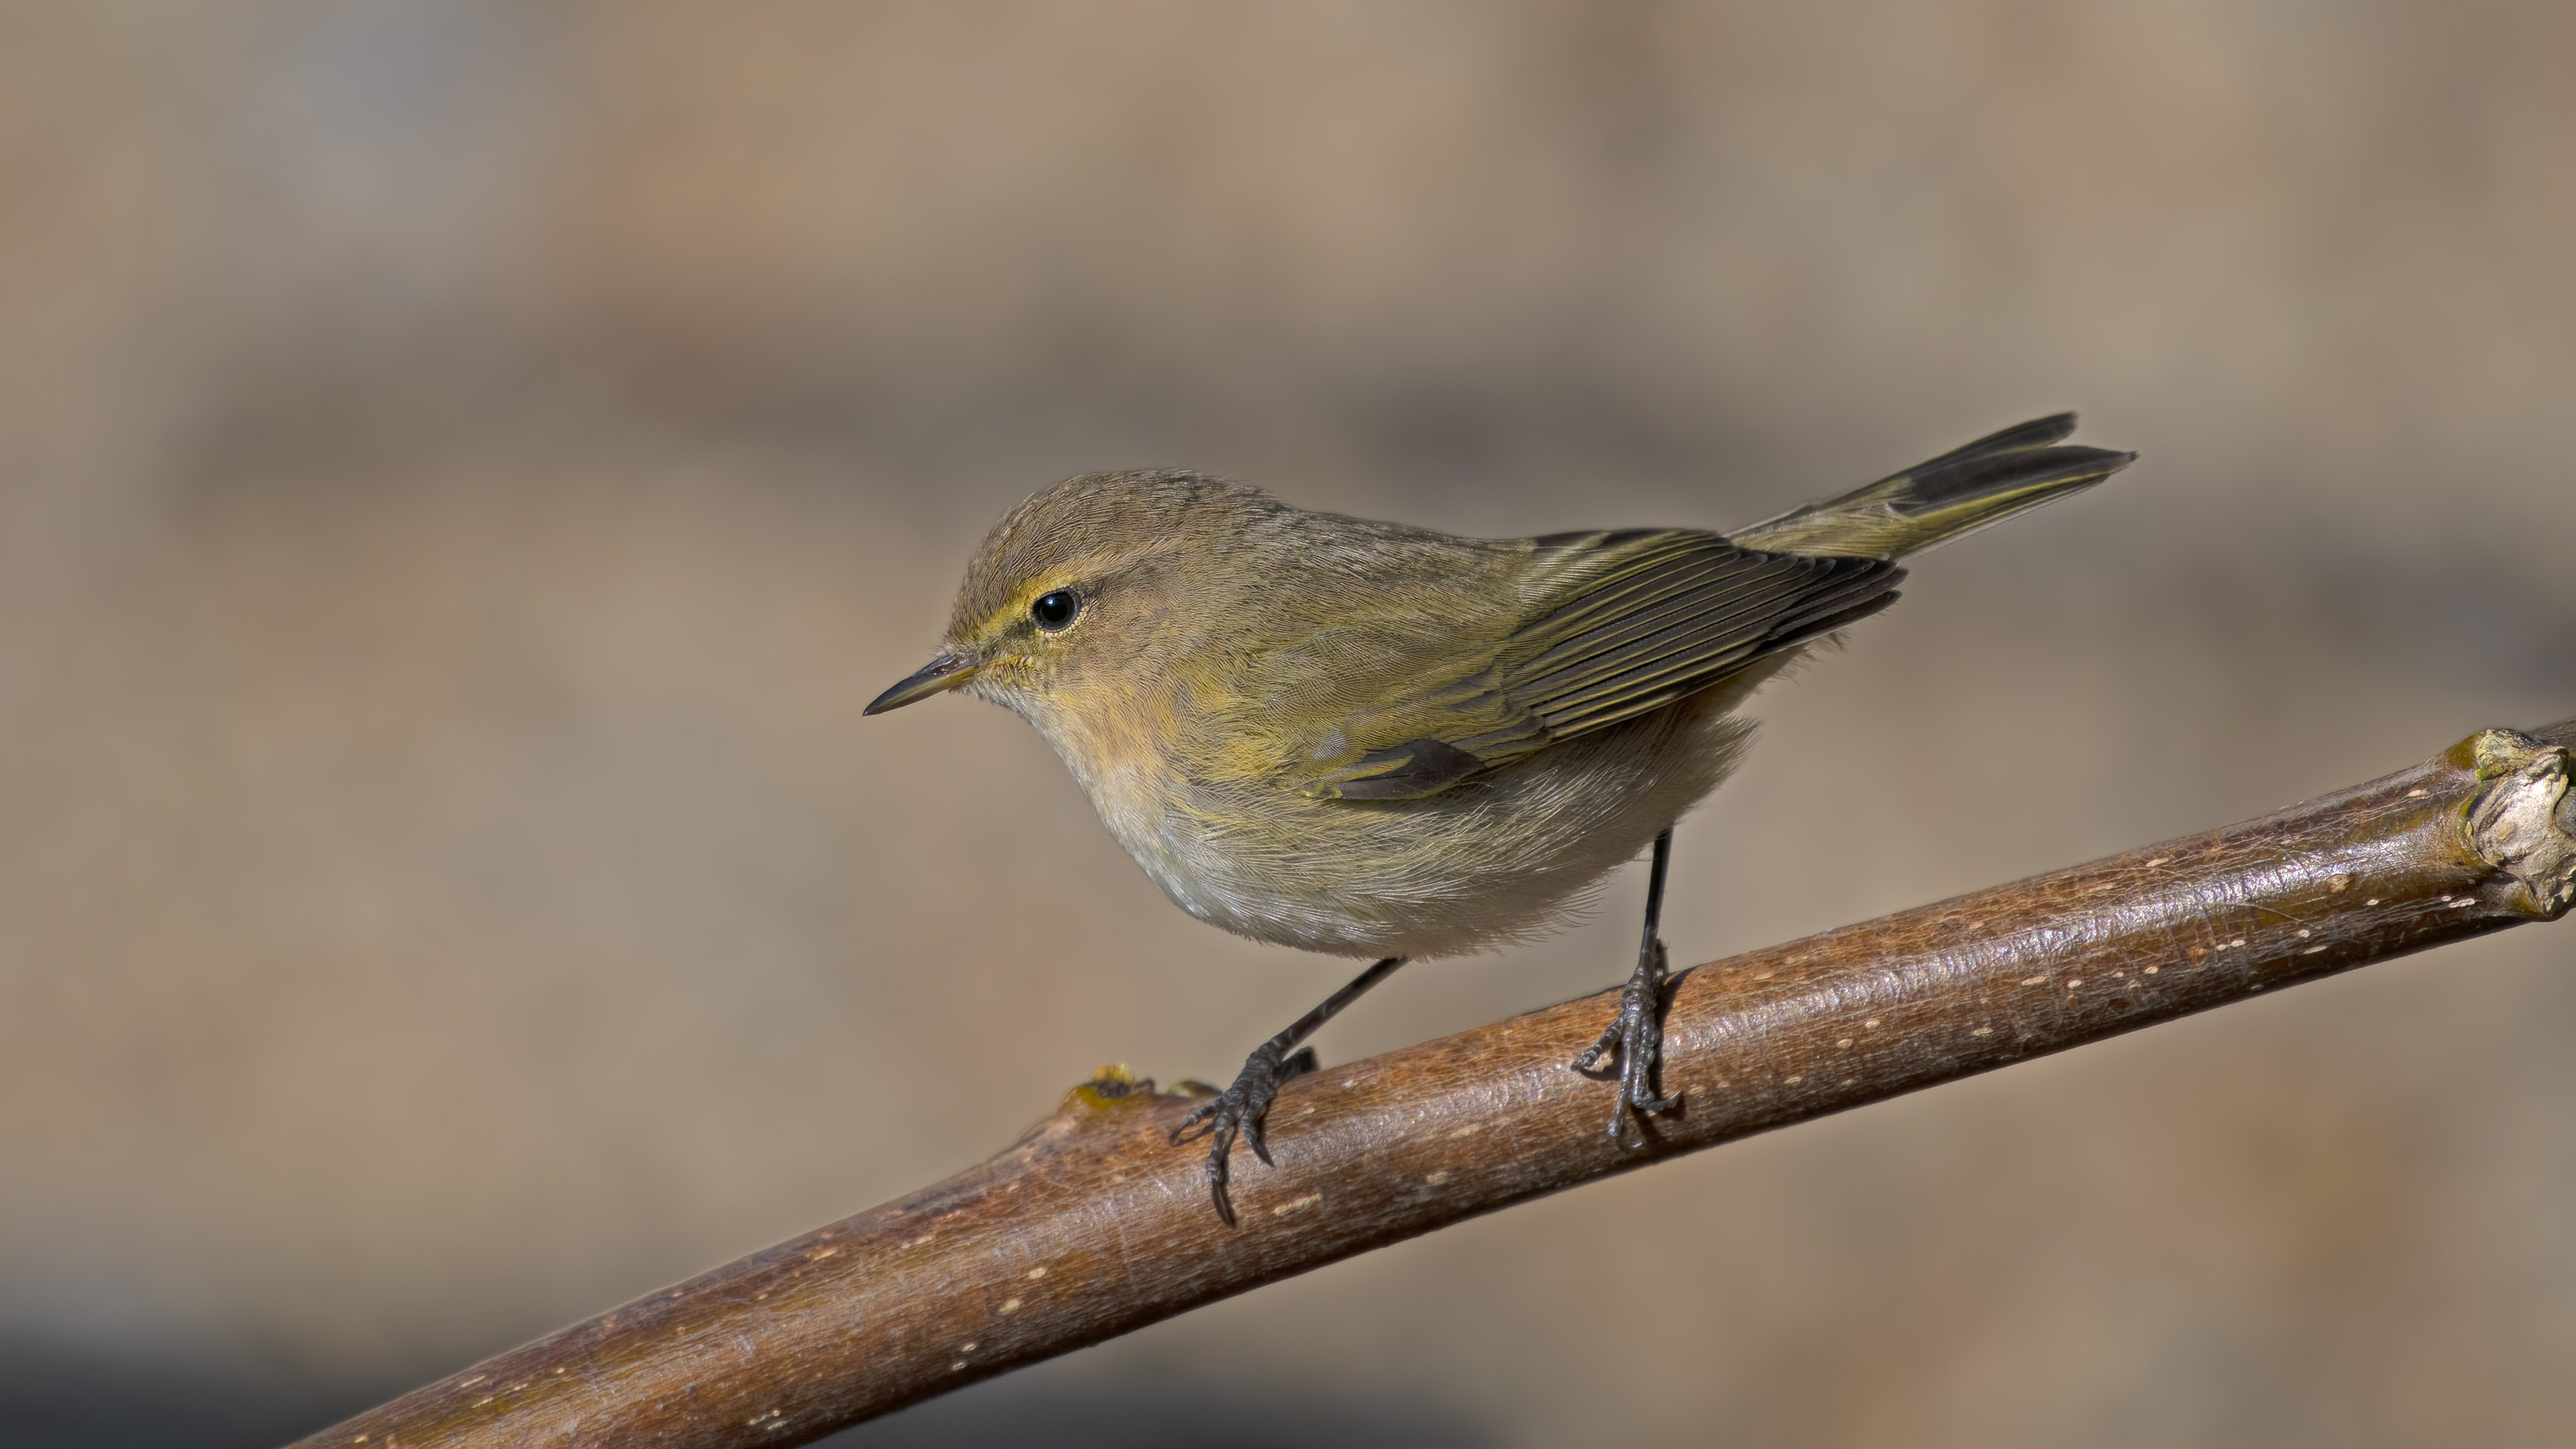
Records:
x=1959, y=492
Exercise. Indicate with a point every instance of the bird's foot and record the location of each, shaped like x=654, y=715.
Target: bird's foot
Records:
x=1240, y=1109
x=1636, y=1038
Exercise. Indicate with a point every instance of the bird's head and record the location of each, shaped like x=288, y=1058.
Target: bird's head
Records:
x=1077, y=591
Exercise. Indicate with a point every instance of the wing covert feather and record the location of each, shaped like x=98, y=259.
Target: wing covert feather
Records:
x=1615, y=625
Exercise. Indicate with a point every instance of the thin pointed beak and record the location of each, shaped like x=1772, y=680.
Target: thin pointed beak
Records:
x=943, y=673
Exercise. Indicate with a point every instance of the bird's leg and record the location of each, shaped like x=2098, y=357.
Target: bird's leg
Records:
x=1636, y=1035
x=1241, y=1107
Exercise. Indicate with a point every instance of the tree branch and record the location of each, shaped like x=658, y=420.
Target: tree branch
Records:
x=1093, y=1224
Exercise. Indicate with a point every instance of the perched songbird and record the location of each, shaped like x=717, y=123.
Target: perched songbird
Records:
x=1373, y=740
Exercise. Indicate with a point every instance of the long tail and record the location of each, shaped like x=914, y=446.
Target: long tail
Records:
x=1959, y=492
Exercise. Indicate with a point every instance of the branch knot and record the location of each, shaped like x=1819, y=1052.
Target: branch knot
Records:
x=2523, y=822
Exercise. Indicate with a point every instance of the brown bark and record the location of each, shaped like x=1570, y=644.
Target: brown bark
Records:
x=1094, y=1224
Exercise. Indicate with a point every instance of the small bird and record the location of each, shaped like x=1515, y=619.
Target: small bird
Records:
x=1378, y=741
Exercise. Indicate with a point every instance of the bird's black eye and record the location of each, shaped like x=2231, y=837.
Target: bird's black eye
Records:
x=1055, y=610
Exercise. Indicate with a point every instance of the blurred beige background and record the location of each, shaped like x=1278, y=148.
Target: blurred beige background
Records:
x=465, y=464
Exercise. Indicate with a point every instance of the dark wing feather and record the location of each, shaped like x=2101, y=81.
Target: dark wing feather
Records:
x=1628, y=623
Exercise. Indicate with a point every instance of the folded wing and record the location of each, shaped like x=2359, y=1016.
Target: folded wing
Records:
x=1615, y=625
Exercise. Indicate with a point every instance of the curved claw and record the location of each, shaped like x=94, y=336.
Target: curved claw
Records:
x=1636, y=1037
x=1240, y=1110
